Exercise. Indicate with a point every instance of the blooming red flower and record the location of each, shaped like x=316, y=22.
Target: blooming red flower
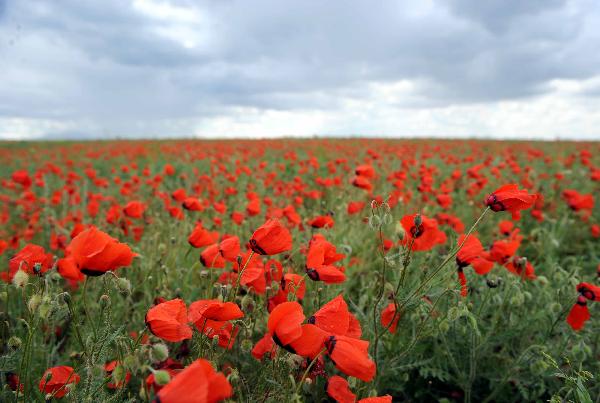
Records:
x=95, y=252
x=202, y=237
x=284, y=323
x=134, y=209
x=422, y=232
x=338, y=390
x=510, y=198
x=351, y=356
x=169, y=321
x=197, y=383
x=109, y=368
x=55, y=380
x=29, y=259
x=320, y=258
x=389, y=314
x=580, y=314
x=271, y=238
x=213, y=309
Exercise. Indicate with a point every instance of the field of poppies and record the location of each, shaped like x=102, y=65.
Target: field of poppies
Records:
x=300, y=270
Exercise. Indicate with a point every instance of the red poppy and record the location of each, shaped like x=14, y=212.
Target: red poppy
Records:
x=322, y=221
x=134, y=209
x=338, y=390
x=510, y=198
x=229, y=248
x=55, y=380
x=389, y=314
x=32, y=259
x=422, y=232
x=210, y=257
x=192, y=204
x=271, y=238
x=213, y=309
x=202, y=237
x=580, y=314
x=169, y=321
x=95, y=252
x=351, y=356
x=333, y=317
x=284, y=323
x=197, y=383
x=320, y=258
x=473, y=254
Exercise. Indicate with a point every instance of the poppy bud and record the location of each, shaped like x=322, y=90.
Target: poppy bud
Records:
x=492, y=283
x=14, y=343
x=161, y=377
x=104, y=301
x=3, y=296
x=162, y=248
x=204, y=273
x=130, y=361
x=444, y=326
x=20, y=279
x=400, y=232
x=417, y=220
x=123, y=286
x=555, y=307
x=159, y=352
x=34, y=302
x=233, y=377
x=247, y=303
x=517, y=299
x=453, y=314
x=64, y=298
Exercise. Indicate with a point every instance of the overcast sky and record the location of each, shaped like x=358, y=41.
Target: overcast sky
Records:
x=226, y=68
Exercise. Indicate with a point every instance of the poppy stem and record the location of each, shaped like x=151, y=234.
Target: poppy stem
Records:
x=239, y=277
x=448, y=258
x=314, y=360
x=85, y=307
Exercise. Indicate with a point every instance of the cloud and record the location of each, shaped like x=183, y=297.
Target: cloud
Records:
x=195, y=68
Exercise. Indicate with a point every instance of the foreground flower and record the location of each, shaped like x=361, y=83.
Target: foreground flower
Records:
x=510, y=198
x=95, y=252
x=271, y=238
x=197, y=383
x=169, y=321
x=55, y=380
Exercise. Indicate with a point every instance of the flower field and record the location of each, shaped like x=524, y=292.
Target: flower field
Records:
x=300, y=270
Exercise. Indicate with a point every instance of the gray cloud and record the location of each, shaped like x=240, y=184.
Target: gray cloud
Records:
x=127, y=68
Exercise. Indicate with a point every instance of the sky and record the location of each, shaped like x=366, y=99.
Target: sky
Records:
x=78, y=69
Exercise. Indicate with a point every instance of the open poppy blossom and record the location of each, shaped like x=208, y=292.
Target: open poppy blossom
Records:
x=32, y=259
x=213, y=309
x=134, y=209
x=197, y=383
x=320, y=260
x=580, y=313
x=421, y=232
x=271, y=238
x=351, y=356
x=95, y=252
x=510, y=198
x=169, y=321
x=57, y=380
x=285, y=322
x=202, y=237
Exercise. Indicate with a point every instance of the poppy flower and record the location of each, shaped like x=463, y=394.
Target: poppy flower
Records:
x=229, y=248
x=351, y=356
x=32, y=259
x=510, y=198
x=322, y=221
x=578, y=201
x=338, y=390
x=211, y=257
x=55, y=380
x=421, y=232
x=271, y=238
x=95, y=252
x=333, y=317
x=263, y=346
x=320, y=258
x=362, y=182
x=389, y=314
x=521, y=267
x=580, y=314
x=197, y=383
x=473, y=254
x=202, y=237
x=355, y=207
x=169, y=321
x=213, y=309
x=284, y=323
x=192, y=204
x=134, y=209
